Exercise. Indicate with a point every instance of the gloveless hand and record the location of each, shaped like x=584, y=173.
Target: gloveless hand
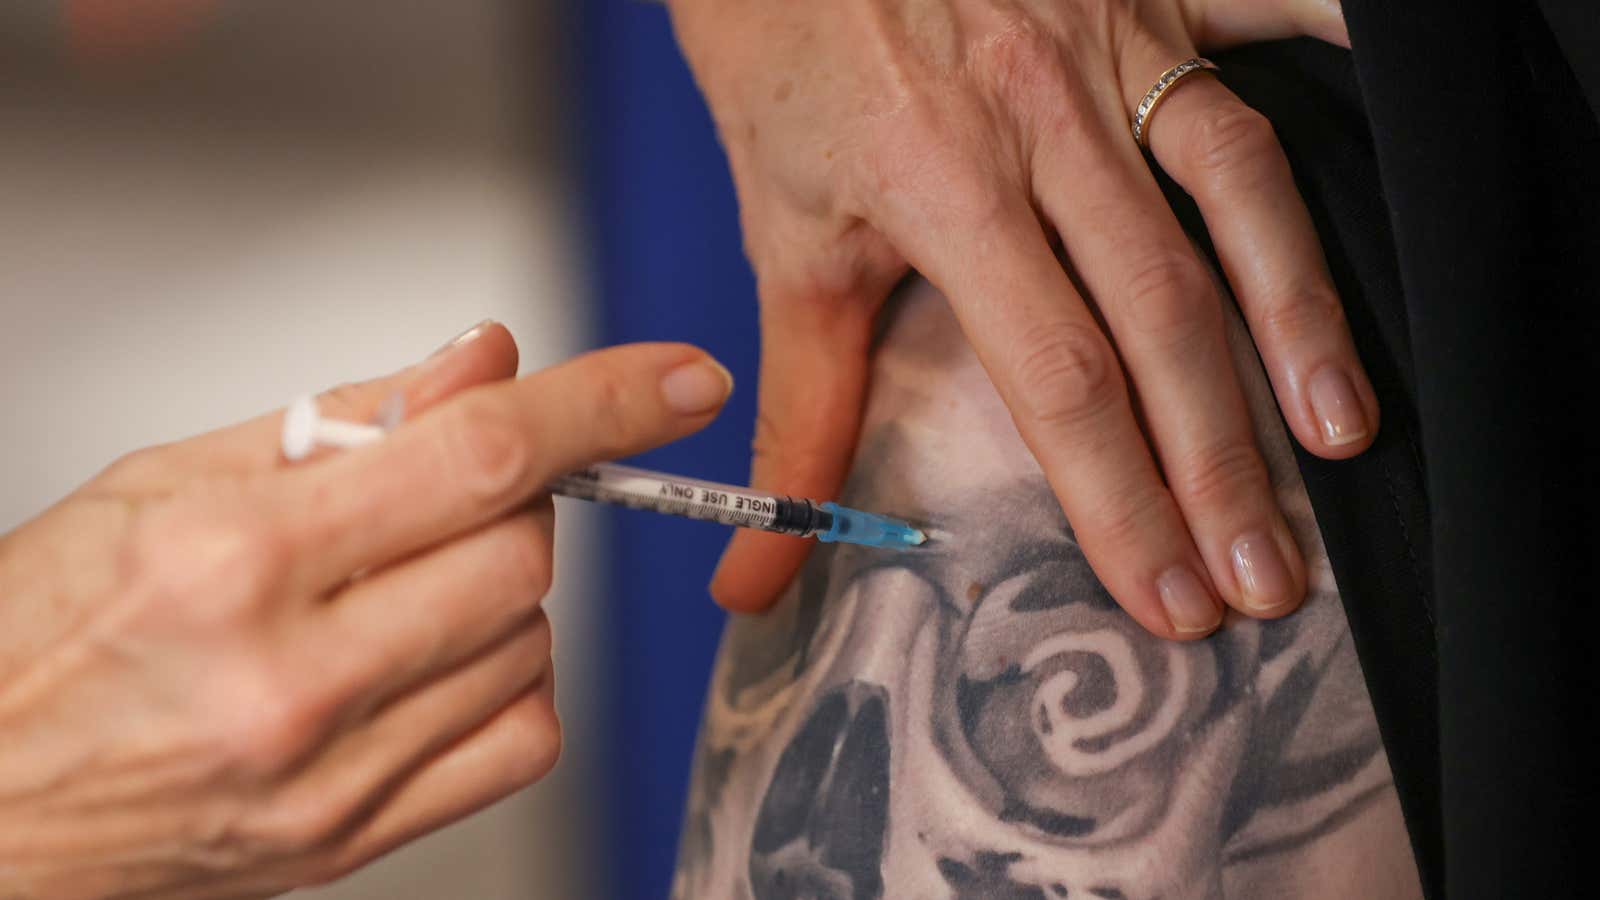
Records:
x=965, y=138
x=224, y=676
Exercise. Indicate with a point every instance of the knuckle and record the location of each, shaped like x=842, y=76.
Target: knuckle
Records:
x=218, y=838
x=488, y=454
x=1036, y=74
x=542, y=638
x=834, y=281
x=1020, y=61
x=528, y=652
x=300, y=824
x=274, y=725
x=1229, y=139
x=136, y=467
x=942, y=186
x=1220, y=474
x=536, y=735
x=527, y=556
x=256, y=552
x=1130, y=518
x=217, y=566
x=979, y=200
x=1064, y=374
x=336, y=863
x=615, y=432
x=783, y=444
x=917, y=168
x=1169, y=298
x=1302, y=316
x=769, y=451
x=767, y=438
x=903, y=141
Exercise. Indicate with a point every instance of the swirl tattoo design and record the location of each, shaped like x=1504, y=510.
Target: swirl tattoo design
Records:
x=980, y=720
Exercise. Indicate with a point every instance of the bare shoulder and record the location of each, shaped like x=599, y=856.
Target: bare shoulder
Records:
x=979, y=720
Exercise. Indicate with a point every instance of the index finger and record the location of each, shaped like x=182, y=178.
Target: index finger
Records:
x=486, y=451
x=1059, y=376
x=485, y=353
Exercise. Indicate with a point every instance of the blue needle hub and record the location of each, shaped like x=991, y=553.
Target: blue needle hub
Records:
x=852, y=526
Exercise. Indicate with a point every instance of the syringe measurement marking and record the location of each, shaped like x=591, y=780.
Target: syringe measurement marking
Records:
x=746, y=514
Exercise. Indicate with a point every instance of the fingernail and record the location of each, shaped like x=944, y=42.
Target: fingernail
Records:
x=696, y=387
x=1188, y=605
x=1338, y=409
x=392, y=411
x=465, y=337
x=1263, y=575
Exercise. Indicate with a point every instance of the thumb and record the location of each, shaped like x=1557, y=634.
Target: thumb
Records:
x=814, y=359
x=1228, y=23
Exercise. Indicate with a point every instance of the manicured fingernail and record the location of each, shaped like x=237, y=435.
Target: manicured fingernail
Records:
x=1263, y=575
x=465, y=337
x=696, y=387
x=1188, y=605
x=1338, y=409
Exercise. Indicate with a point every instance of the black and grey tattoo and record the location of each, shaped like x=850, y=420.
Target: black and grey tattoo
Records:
x=979, y=720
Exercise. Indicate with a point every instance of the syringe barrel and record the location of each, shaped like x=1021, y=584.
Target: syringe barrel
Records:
x=691, y=497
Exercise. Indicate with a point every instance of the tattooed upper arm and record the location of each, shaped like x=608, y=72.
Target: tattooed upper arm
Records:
x=979, y=720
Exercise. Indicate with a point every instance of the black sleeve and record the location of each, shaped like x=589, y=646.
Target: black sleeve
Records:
x=1450, y=164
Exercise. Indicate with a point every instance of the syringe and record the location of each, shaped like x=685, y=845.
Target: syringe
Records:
x=732, y=505
x=304, y=430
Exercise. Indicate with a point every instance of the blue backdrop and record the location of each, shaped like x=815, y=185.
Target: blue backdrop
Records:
x=667, y=266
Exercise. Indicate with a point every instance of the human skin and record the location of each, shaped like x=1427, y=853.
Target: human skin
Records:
x=968, y=138
x=978, y=719
x=972, y=139
x=225, y=676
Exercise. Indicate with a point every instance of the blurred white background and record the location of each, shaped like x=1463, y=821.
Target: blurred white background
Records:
x=301, y=195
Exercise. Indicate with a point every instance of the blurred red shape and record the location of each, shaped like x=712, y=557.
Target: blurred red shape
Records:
x=115, y=31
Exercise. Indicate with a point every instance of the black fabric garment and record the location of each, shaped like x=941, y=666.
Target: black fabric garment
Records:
x=1452, y=167
x=1372, y=509
x=1489, y=154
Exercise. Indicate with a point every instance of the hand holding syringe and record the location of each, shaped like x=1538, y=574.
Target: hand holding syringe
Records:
x=336, y=656
x=304, y=430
